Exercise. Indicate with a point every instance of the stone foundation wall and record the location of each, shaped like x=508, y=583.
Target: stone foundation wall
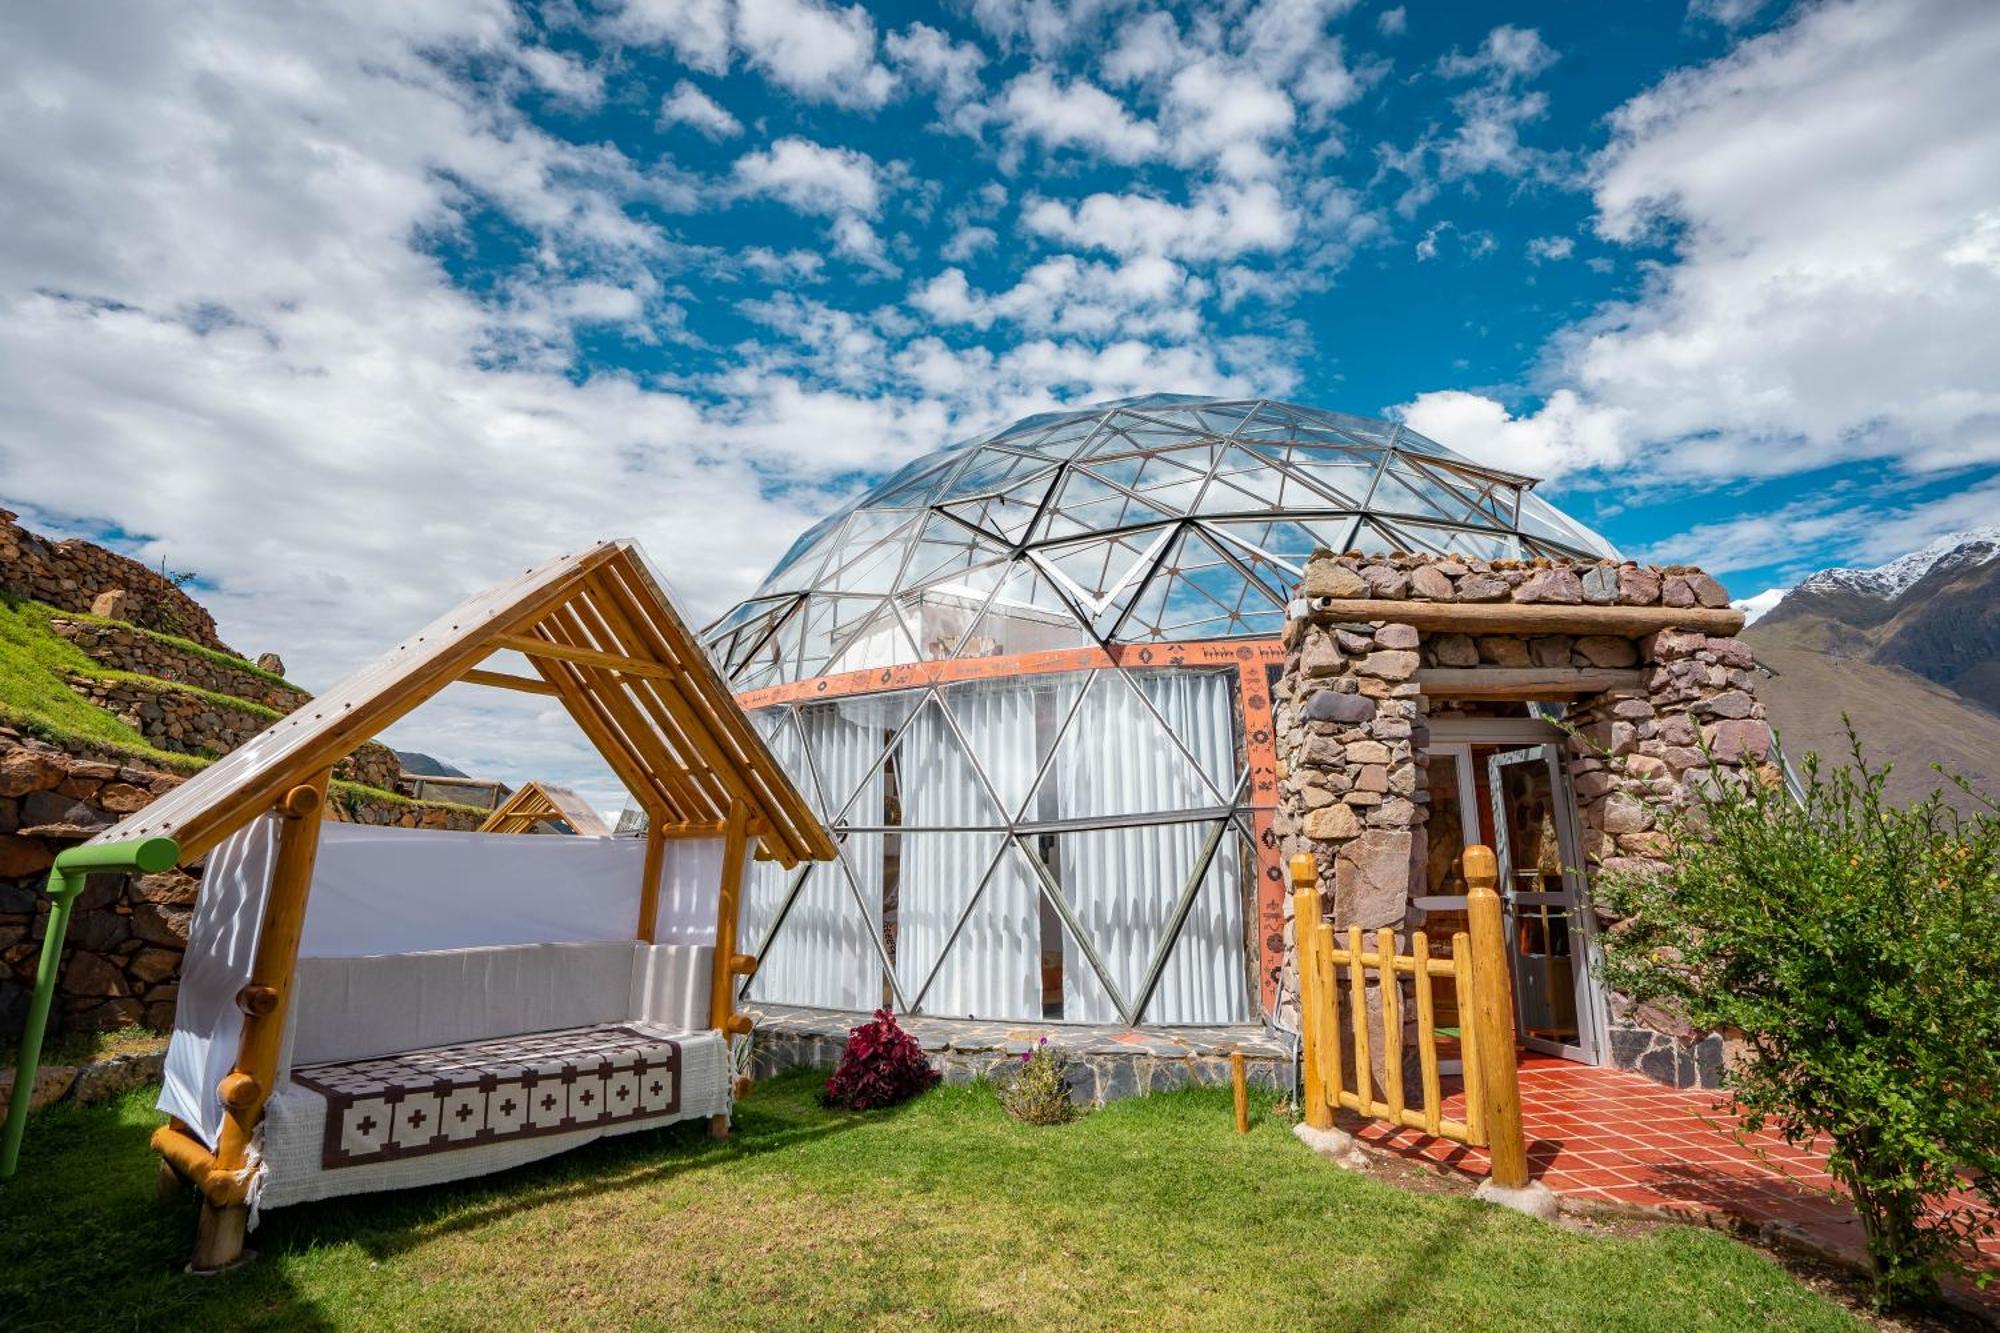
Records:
x=1352, y=737
x=71, y=575
x=124, y=648
x=188, y=723
x=121, y=962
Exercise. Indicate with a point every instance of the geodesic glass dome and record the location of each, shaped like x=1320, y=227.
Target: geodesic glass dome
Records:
x=1006, y=675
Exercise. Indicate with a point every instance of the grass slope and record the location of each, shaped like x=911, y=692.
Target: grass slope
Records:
x=941, y=1213
x=33, y=663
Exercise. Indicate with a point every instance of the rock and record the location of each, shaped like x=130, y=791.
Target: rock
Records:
x=1324, y=578
x=23, y=771
x=1456, y=650
x=1427, y=584
x=93, y=974
x=21, y=857
x=1732, y=703
x=1551, y=585
x=1320, y=658
x=1367, y=752
x=1551, y=650
x=1386, y=582
x=1671, y=645
x=112, y=604
x=107, y=1078
x=1622, y=814
x=1389, y=665
x=171, y=887
x=1355, y=642
x=1707, y=591
x=1503, y=650
x=46, y=807
x=1638, y=587
x=1332, y=706
x=1332, y=824
x=51, y=1082
x=1678, y=592
x=122, y=798
x=154, y=964
x=1482, y=586
x=1372, y=778
x=162, y=925
x=1393, y=635
x=1607, y=650
x=1737, y=739
x=1732, y=653
x=272, y=663
x=1677, y=729
x=1372, y=880
x=1600, y=585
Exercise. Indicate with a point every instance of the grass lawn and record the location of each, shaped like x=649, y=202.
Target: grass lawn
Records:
x=1152, y=1213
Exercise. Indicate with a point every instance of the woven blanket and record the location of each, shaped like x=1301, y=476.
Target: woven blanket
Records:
x=447, y=1097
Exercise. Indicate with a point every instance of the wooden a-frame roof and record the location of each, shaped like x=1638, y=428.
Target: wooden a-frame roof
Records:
x=545, y=803
x=603, y=640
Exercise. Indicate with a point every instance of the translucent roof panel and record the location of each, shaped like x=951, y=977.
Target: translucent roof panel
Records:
x=1159, y=518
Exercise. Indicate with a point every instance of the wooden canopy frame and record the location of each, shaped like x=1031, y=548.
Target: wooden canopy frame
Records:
x=538, y=803
x=604, y=640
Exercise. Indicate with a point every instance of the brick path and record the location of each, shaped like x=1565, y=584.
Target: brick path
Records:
x=1608, y=1136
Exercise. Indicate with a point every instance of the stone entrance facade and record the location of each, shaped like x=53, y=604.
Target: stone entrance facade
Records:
x=1655, y=694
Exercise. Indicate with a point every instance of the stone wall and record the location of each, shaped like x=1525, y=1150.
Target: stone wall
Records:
x=71, y=575
x=121, y=963
x=125, y=648
x=184, y=722
x=1351, y=721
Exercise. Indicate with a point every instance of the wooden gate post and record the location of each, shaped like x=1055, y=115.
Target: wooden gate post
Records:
x=1317, y=1109
x=1499, y=1086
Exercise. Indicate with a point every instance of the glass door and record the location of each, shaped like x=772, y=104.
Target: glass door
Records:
x=1551, y=931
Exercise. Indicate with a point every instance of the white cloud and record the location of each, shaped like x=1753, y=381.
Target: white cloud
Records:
x=812, y=178
x=1077, y=114
x=1146, y=296
x=1221, y=223
x=816, y=50
x=1393, y=22
x=933, y=59
x=1544, y=249
x=689, y=105
x=698, y=30
x=563, y=76
x=1831, y=185
x=1565, y=435
x=1729, y=13
x=1508, y=53
x=966, y=242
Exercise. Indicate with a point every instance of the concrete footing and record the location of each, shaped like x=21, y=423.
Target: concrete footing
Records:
x=1534, y=1198
x=1335, y=1144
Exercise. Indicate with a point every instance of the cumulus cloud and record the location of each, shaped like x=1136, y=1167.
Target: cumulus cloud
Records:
x=812, y=178
x=1565, y=435
x=817, y=50
x=1393, y=22
x=1221, y=223
x=689, y=105
x=931, y=58
x=697, y=30
x=1038, y=107
x=1544, y=249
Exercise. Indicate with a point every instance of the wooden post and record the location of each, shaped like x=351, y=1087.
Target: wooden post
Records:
x=264, y=1000
x=1305, y=922
x=1240, y=1082
x=1427, y=1044
x=1493, y=1002
x=649, y=887
x=1392, y=1023
x=722, y=979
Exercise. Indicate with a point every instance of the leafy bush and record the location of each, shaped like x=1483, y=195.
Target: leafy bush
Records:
x=880, y=1066
x=1856, y=949
x=1038, y=1089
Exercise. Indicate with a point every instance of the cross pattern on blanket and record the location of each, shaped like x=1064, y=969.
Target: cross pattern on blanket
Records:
x=486, y=1091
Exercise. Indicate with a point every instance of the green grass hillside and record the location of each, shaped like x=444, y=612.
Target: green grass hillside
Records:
x=34, y=697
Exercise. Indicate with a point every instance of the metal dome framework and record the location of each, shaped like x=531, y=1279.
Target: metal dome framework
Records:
x=1026, y=683
x=1142, y=521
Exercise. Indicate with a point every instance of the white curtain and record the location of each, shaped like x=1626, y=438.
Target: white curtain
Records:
x=824, y=953
x=1117, y=758
x=994, y=968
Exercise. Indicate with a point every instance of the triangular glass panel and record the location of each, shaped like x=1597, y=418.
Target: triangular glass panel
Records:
x=1115, y=758
x=1282, y=547
x=992, y=470
x=914, y=487
x=938, y=784
x=1087, y=503
x=879, y=641
x=938, y=618
x=797, y=568
x=1167, y=480
x=846, y=739
x=994, y=966
x=781, y=736
x=823, y=952
x=1010, y=725
x=1204, y=979
x=1099, y=571
x=870, y=556
x=1026, y=615
x=1199, y=707
x=824, y=625
x=944, y=549
x=1195, y=593
x=1405, y=489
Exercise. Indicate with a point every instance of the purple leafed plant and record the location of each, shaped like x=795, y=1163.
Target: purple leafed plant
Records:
x=881, y=1066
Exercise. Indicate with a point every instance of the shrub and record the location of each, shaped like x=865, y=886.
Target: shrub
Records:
x=1856, y=949
x=880, y=1066
x=1038, y=1089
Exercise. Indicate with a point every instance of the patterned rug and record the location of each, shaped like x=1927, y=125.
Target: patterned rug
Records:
x=489, y=1091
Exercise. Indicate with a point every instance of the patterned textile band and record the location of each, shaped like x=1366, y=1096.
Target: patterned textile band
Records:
x=481, y=1092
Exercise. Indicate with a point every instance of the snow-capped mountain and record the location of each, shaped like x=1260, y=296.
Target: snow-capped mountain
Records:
x=1956, y=551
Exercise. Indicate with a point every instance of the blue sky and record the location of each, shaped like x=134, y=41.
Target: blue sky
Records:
x=350, y=308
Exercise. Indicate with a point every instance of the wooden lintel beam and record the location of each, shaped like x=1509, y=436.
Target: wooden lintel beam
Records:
x=507, y=681
x=1545, y=683
x=631, y=666
x=1529, y=617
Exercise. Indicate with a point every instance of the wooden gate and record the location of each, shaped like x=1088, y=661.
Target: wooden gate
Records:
x=1342, y=978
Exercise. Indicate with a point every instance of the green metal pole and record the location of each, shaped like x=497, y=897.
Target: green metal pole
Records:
x=67, y=877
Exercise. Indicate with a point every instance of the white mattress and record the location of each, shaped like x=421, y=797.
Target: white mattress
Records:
x=293, y=1135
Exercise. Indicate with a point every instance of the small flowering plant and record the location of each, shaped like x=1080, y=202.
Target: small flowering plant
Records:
x=1037, y=1088
x=880, y=1066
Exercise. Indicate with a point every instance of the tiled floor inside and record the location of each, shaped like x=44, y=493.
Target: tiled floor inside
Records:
x=1609, y=1136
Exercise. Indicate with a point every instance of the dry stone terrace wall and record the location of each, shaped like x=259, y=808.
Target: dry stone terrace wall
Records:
x=124, y=648
x=121, y=965
x=1351, y=720
x=72, y=575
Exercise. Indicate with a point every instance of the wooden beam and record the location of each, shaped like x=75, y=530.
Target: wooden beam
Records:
x=504, y=680
x=649, y=883
x=736, y=852
x=1527, y=682
x=631, y=666
x=1530, y=617
x=685, y=798
x=588, y=713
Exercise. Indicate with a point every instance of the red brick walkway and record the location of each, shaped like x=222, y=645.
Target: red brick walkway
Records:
x=1612, y=1137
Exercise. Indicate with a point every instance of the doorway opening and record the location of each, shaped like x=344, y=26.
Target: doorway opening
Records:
x=1516, y=799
